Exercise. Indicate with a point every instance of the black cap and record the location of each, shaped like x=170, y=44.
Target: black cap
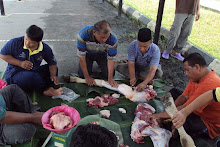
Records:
x=144, y=35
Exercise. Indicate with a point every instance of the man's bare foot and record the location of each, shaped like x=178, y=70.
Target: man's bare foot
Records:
x=53, y=92
x=35, y=103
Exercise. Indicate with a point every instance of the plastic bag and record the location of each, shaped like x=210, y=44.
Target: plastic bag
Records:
x=2, y=84
x=69, y=111
x=68, y=95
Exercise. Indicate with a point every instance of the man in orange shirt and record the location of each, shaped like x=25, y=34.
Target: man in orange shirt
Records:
x=202, y=79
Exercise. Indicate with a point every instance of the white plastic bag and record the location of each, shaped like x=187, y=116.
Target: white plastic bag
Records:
x=68, y=95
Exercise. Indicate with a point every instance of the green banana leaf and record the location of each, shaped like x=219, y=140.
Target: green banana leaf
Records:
x=124, y=120
x=158, y=83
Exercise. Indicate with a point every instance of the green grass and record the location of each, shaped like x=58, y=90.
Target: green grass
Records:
x=205, y=33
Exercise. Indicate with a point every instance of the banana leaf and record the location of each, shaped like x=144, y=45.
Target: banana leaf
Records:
x=158, y=83
x=124, y=120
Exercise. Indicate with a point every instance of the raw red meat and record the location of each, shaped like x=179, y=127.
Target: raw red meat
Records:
x=143, y=126
x=104, y=100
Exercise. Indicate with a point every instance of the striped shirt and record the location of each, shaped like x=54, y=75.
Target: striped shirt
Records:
x=216, y=94
x=2, y=107
x=86, y=43
x=150, y=58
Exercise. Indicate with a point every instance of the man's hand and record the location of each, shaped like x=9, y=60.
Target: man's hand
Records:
x=133, y=81
x=141, y=86
x=197, y=15
x=26, y=65
x=54, y=79
x=113, y=83
x=154, y=116
x=179, y=119
x=90, y=81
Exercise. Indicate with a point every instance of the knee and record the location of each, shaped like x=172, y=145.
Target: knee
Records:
x=12, y=133
x=159, y=73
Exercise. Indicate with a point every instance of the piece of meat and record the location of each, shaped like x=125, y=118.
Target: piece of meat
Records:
x=60, y=121
x=105, y=113
x=122, y=145
x=147, y=94
x=143, y=126
x=122, y=110
x=104, y=100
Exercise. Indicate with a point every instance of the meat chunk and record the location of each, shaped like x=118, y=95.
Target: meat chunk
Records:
x=143, y=126
x=104, y=100
x=147, y=94
x=60, y=121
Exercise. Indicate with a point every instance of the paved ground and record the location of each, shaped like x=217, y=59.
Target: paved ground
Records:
x=60, y=20
x=211, y=4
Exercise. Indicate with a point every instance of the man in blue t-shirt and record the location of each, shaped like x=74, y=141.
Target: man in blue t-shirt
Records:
x=143, y=60
x=97, y=43
x=24, y=56
x=18, y=116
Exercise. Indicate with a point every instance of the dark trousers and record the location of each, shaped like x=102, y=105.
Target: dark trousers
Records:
x=36, y=79
x=17, y=100
x=193, y=125
x=101, y=60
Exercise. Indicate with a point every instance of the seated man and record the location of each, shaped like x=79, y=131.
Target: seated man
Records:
x=24, y=56
x=143, y=60
x=18, y=116
x=97, y=43
x=180, y=117
x=202, y=79
x=92, y=135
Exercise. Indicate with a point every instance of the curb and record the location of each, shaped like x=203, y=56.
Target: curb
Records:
x=189, y=48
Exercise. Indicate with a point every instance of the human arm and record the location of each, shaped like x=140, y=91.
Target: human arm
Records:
x=11, y=60
x=179, y=104
x=131, y=69
x=180, y=117
x=82, y=61
x=198, y=10
x=111, y=64
x=18, y=117
x=53, y=71
x=147, y=79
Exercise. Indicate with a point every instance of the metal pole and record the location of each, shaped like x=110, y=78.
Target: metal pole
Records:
x=159, y=20
x=2, y=7
x=119, y=8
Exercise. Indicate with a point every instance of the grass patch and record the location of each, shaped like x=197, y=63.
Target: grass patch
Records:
x=205, y=33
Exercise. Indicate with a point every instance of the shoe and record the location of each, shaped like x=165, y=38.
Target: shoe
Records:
x=178, y=56
x=66, y=78
x=165, y=55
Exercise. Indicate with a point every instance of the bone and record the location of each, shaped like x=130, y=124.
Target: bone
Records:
x=170, y=107
x=98, y=82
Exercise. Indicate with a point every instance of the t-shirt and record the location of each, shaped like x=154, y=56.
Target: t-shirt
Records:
x=186, y=6
x=150, y=58
x=87, y=43
x=2, y=107
x=17, y=49
x=210, y=112
x=216, y=94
